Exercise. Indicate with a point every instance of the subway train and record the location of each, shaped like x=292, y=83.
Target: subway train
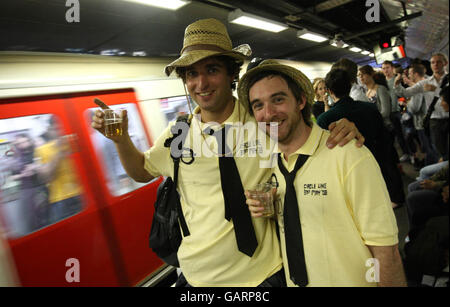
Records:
x=48, y=83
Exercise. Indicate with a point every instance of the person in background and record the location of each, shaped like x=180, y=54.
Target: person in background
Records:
x=378, y=93
x=64, y=189
x=430, y=87
x=27, y=169
x=388, y=70
x=320, y=96
x=418, y=108
x=370, y=123
x=357, y=92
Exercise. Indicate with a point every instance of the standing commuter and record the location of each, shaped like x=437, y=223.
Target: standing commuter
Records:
x=378, y=93
x=430, y=87
x=217, y=252
x=418, y=108
x=336, y=214
x=389, y=72
x=321, y=97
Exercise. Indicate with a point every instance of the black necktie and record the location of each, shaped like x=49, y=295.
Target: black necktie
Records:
x=292, y=226
x=233, y=194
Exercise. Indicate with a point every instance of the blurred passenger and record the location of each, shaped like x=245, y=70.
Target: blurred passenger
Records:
x=395, y=116
x=63, y=186
x=320, y=95
x=430, y=87
x=357, y=92
x=28, y=170
x=225, y=247
x=336, y=208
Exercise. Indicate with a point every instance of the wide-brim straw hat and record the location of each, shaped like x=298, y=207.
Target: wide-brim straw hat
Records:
x=271, y=65
x=205, y=38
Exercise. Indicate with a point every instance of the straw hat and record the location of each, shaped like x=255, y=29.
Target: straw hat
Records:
x=271, y=65
x=205, y=38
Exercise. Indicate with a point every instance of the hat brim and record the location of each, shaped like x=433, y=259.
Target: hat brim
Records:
x=194, y=56
x=296, y=75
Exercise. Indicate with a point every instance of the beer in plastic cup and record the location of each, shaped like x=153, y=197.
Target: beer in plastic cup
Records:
x=263, y=193
x=113, y=123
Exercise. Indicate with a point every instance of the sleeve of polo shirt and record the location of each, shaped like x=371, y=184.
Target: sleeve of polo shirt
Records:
x=157, y=159
x=369, y=201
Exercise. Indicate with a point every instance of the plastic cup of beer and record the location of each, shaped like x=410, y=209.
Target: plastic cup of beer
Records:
x=113, y=123
x=263, y=193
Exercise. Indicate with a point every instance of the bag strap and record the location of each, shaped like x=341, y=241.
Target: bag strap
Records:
x=176, y=165
x=431, y=107
x=430, y=110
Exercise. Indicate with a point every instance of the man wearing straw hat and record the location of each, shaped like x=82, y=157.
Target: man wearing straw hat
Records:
x=336, y=223
x=225, y=246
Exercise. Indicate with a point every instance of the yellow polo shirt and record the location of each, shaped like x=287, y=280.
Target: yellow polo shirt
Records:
x=344, y=206
x=210, y=256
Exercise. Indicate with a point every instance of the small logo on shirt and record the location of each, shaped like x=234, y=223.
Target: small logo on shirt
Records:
x=315, y=189
x=251, y=148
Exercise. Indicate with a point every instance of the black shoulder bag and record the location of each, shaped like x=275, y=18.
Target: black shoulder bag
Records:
x=165, y=236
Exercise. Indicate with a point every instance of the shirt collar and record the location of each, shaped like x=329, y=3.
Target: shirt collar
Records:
x=311, y=144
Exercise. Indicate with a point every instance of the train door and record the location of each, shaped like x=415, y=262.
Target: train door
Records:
x=48, y=209
x=128, y=204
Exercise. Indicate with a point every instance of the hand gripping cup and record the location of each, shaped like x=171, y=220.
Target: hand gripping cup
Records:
x=113, y=123
x=263, y=193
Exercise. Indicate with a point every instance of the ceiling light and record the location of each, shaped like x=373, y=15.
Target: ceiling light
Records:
x=371, y=55
x=250, y=20
x=365, y=52
x=340, y=44
x=165, y=4
x=305, y=34
x=355, y=49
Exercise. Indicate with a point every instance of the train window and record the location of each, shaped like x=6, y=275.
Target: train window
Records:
x=160, y=112
x=174, y=106
x=38, y=183
x=118, y=181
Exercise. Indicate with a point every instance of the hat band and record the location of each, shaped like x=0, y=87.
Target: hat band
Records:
x=203, y=47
